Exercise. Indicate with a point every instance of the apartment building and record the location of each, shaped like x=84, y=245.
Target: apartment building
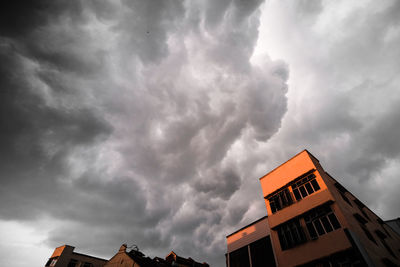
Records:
x=314, y=221
x=64, y=256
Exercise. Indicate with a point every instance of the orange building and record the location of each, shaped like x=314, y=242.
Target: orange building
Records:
x=314, y=221
x=65, y=256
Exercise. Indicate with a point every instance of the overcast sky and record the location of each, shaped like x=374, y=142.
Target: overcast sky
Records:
x=150, y=122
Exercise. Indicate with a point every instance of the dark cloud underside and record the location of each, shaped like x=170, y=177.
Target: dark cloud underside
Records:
x=122, y=119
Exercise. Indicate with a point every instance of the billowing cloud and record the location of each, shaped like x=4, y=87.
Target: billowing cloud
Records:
x=343, y=91
x=129, y=121
x=149, y=122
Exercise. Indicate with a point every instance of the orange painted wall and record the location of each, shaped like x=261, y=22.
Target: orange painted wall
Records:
x=285, y=173
x=248, y=235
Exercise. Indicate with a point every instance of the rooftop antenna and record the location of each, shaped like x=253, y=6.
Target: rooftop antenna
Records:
x=134, y=247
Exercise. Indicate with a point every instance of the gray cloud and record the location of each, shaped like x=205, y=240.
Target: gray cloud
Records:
x=344, y=93
x=150, y=122
x=123, y=121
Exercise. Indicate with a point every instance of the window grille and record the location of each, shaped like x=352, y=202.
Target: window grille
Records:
x=320, y=221
x=280, y=200
x=305, y=187
x=291, y=234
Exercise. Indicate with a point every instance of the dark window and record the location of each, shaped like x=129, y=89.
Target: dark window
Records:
x=261, y=253
x=315, y=185
x=345, y=198
x=309, y=188
x=52, y=261
x=72, y=263
x=340, y=188
x=291, y=234
x=88, y=264
x=368, y=234
x=305, y=187
x=361, y=207
x=363, y=226
x=334, y=221
x=320, y=221
x=280, y=200
x=239, y=257
x=297, y=194
x=382, y=223
x=382, y=237
x=48, y=262
x=360, y=218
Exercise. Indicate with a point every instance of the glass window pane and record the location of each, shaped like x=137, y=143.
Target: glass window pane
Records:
x=296, y=194
x=334, y=221
x=282, y=239
x=288, y=196
x=327, y=225
x=315, y=185
x=289, y=238
x=319, y=228
x=303, y=191
x=277, y=203
x=310, y=190
x=239, y=257
x=311, y=230
x=273, y=207
x=283, y=199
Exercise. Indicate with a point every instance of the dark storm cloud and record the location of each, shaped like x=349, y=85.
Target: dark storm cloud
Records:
x=127, y=120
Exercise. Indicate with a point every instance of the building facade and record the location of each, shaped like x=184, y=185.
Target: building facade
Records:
x=250, y=246
x=65, y=256
x=314, y=221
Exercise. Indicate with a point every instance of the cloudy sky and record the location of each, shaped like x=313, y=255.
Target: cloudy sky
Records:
x=150, y=122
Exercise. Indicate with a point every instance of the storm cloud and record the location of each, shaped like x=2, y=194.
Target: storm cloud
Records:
x=149, y=122
x=119, y=120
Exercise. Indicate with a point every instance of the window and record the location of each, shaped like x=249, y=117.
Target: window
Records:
x=88, y=264
x=305, y=187
x=361, y=207
x=54, y=261
x=280, y=200
x=320, y=221
x=382, y=237
x=239, y=257
x=261, y=253
x=362, y=221
x=382, y=223
x=342, y=192
x=72, y=263
x=51, y=261
x=291, y=234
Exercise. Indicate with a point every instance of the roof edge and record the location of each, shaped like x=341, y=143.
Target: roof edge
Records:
x=304, y=150
x=250, y=224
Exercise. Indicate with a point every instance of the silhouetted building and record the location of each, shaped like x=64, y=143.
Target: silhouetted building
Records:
x=135, y=258
x=65, y=256
x=315, y=221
